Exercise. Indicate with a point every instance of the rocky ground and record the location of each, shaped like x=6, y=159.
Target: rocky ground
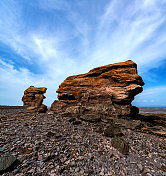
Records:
x=50, y=144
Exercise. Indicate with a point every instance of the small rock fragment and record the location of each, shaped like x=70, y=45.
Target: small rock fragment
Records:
x=72, y=119
x=31, y=108
x=77, y=122
x=49, y=157
x=72, y=163
x=2, y=149
x=50, y=134
x=140, y=167
x=77, y=169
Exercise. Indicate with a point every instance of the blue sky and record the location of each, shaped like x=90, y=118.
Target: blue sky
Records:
x=44, y=41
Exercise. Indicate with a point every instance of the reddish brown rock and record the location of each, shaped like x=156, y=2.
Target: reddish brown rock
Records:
x=102, y=93
x=33, y=97
x=42, y=108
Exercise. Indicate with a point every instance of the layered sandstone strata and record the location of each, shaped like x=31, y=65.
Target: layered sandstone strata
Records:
x=33, y=97
x=103, y=93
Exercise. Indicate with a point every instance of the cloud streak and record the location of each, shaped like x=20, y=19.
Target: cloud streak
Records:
x=130, y=33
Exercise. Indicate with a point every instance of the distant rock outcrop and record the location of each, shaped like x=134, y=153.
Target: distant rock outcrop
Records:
x=103, y=93
x=33, y=98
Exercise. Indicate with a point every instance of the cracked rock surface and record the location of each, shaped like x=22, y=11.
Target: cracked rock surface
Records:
x=103, y=92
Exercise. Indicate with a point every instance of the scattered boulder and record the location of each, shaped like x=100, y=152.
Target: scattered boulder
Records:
x=113, y=131
x=120, y=144
x=7, y=162
x=33, y=98
x=102, y=93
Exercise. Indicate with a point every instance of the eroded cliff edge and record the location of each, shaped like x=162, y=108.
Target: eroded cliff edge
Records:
x=104, y=92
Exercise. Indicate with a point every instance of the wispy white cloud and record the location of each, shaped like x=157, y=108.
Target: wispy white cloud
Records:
x=13, y=83
x=74, y=44
x=53, y=4
x=129, y=31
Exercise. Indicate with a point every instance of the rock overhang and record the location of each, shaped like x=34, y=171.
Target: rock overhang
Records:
x=111, y=87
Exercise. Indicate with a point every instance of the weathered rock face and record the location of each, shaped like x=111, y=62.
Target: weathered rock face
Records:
x=42, y=108
x=102, y=93
x=33, y=97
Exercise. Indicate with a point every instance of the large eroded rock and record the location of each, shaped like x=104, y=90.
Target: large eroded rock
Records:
x=7, y=162
x=104, y=92
x=33, y=97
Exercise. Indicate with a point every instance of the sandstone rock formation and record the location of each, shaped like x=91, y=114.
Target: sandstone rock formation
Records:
x=33, y=97
x=103, y=93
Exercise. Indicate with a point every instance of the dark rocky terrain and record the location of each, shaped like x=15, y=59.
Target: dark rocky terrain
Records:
x=53, y=144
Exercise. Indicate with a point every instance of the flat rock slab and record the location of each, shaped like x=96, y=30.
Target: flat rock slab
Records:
x=7, y=161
